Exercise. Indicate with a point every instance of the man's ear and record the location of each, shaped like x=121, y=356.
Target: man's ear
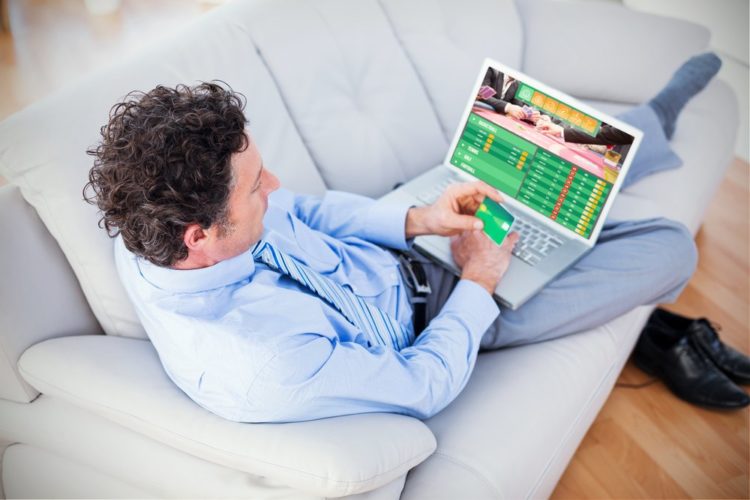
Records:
x=194, y=237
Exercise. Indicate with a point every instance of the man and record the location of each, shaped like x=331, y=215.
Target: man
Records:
x=265, y=306
x=607, y=135
x=184, y=185
x=504, y=100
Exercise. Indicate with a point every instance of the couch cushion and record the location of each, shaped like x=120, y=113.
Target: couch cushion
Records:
x=42, y=149
x=29, y=472
x=123, y=380
x=35, y=277
x=352, y=92
x=95, y=442
x=447, y=42
x=513, y=430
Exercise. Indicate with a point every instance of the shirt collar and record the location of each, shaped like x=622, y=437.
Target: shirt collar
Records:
x=221, y=274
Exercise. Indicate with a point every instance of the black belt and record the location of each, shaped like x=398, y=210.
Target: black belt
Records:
x=416, y=280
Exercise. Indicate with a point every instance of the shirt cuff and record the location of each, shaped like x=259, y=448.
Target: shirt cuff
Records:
x=386, y=224
x=474, y=305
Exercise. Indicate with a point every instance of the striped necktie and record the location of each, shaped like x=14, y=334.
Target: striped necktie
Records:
x=380, y=327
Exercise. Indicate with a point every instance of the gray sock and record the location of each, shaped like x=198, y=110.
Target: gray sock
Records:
x=688, y=80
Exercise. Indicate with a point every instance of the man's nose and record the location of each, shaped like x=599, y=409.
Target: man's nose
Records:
x=272, y=182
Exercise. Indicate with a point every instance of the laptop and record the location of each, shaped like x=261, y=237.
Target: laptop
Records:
x=559, y=192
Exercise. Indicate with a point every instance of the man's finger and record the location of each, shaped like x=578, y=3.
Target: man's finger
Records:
x=465, y=223
x=510, y=241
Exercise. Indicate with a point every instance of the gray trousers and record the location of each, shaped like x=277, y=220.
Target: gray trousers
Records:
x=633, y=263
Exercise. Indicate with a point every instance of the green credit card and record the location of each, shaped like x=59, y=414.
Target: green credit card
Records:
x=497, y=220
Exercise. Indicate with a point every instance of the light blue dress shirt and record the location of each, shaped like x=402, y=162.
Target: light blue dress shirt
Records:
x=252, y=345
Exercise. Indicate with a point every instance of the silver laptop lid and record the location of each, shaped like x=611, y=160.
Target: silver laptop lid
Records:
x=568, y=185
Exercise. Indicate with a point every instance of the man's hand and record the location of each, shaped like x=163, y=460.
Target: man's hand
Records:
x=453, y=212
x=536, y=116
x=549, y=128
x=480, y=259
x=533, y=116
x=515, y=111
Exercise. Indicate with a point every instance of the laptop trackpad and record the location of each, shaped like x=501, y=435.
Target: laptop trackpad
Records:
x=520, y=282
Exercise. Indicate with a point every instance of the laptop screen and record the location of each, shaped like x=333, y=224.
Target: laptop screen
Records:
x=542, y=150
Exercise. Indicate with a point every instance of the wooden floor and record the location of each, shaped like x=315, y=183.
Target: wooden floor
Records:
x=645, y=443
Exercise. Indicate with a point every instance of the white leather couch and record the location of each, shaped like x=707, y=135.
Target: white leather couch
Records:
x=346, y=94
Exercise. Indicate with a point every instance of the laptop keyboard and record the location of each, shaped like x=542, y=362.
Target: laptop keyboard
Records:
x=534, y=244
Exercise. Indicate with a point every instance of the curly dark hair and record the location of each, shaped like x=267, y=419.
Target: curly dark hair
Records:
x=164, y=163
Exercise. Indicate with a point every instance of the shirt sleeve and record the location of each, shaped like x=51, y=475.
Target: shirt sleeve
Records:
x=342, y=214
x=608, y=135
x=498, y=104
x=315, y=377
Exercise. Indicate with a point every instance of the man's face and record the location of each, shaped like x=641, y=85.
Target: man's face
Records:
x=248, y=202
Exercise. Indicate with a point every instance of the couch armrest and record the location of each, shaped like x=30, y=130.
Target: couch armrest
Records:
x=39, y=297
x=595, y=50
x=122, y=379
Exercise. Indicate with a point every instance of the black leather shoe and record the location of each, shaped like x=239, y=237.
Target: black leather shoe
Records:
x=671, y=355
x=734, y=364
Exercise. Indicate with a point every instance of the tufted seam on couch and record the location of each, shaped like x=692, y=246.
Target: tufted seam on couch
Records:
x=355, y=104
x=282, y=98
x=524, y=33
x=447, y=134
x=85, y=403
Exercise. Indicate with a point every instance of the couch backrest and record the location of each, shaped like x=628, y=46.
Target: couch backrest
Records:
x=627, y=59
x=447, y=41
x=376, y=89
x=350, y=88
